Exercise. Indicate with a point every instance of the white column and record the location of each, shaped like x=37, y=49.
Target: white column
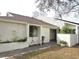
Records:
x=40, y=34
x=25, y=32
x=77, y=33
x=27, y=27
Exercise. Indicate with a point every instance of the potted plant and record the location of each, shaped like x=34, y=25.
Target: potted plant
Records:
x=63, y=43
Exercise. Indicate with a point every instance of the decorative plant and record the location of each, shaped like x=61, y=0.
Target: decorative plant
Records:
x=65, y=29
x=63, y=43
x=21, y=40
x=7, y=41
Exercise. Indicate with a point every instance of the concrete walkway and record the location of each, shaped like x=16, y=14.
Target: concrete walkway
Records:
x=27, y=50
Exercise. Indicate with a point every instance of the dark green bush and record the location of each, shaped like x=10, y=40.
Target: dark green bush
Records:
x=66, y=30
x=63, y=42
x=19, y=40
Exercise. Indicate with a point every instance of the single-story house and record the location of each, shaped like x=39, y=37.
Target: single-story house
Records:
x=14, y=27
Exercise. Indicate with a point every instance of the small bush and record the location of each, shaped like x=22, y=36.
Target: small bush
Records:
x=6, y=41
x=19, y=40
x=66, y=30
x=63, y=42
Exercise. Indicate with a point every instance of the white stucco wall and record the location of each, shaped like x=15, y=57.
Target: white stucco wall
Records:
x=77, y=32
x=71, y=39
x=7, y=29
x=46, y=33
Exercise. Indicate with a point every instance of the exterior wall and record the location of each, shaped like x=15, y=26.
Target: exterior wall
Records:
x=77, y=32
x=21, y=31
x=46, y=33
x=7, y=30
x=71, y=39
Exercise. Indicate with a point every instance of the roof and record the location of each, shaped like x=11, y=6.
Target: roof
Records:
x=68, y=21
x=26, y=19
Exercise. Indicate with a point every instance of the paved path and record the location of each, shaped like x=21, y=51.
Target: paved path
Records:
x=27, y=50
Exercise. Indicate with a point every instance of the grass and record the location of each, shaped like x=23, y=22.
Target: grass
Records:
x=55, y=52
x=32, y=54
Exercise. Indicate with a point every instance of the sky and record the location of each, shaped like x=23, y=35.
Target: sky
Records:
x=23, y=7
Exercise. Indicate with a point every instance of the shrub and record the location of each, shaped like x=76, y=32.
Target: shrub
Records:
x=6, y=41
x=66, y=30
x=63, y=42
x=19, y=40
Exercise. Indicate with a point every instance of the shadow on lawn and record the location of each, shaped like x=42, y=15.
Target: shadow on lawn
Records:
x=29, y=55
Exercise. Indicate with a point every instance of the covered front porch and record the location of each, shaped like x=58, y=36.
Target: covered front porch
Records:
x=37, y=34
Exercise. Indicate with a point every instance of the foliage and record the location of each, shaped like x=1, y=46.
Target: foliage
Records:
x=6, y=41
x=21, y=40
x=61, y=7
x=63, y=42
x=65, y=29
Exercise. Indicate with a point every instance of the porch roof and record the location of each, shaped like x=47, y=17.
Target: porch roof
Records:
x=68, y=21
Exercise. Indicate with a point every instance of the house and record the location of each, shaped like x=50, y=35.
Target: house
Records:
x=72, y=38
x=15, y=27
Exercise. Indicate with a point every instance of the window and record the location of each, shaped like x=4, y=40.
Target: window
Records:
x=33, y=31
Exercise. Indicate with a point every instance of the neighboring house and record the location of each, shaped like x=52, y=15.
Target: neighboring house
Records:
x=20, y=27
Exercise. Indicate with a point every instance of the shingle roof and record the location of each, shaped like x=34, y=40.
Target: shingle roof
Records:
x=26, y=19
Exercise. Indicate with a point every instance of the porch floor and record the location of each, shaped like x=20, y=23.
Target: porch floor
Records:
x=27, y=50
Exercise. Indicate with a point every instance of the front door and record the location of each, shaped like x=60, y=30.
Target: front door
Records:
x=53, y=35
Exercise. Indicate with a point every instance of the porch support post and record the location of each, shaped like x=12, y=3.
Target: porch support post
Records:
x=77, y=33
x=28, y=34
x=40, y=35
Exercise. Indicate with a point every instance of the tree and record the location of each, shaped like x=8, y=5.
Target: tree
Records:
x=61, y=7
